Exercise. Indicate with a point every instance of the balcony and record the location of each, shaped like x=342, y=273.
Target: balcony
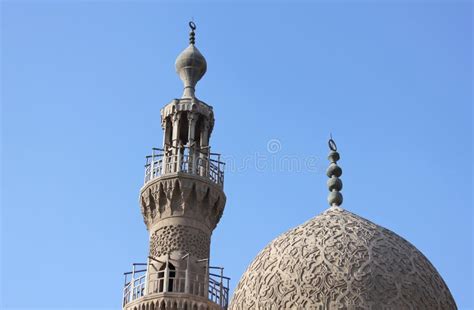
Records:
x=185, y=160
x=140, y=283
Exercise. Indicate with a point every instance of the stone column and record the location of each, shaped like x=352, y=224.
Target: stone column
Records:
x=166, y=124
x=192, y=118
x=175, y=160
x=205, y=148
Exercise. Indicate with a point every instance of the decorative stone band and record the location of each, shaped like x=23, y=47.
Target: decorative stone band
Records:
x=180, y=238
x=183, y=196
x=193, y=105
x=172, y=301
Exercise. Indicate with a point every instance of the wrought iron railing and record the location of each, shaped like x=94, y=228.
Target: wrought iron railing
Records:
x=218, y=287
x=187, y=160
x=138, y=284
x=134, y=286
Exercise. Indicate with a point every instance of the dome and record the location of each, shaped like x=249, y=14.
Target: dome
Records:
x=339, y=260
x=191, y=67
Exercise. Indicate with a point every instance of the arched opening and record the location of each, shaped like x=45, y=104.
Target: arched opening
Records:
x=197, y=133
x=183, y=129
x=168, y=131
x=171, y=270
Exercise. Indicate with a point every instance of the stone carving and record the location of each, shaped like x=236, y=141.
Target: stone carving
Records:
x=339, y=260
x=184, y=196
x=177, y=302
x=177, y=237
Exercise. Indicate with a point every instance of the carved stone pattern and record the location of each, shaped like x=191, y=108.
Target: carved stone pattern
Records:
x=339, y=260
x=182, y=196
x=180, y=238
x=177, y=302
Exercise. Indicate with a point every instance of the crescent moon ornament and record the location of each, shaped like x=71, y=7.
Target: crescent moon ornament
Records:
x=332, y=145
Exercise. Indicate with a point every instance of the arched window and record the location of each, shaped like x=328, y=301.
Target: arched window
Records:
x=171, y=277
x=183, y=129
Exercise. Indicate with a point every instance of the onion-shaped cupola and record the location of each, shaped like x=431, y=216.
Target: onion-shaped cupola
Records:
x=190, y=65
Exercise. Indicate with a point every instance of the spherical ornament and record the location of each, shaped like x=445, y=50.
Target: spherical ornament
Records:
x=334, y=183
x=335, y=198
x=333, y=156
x=334, y=170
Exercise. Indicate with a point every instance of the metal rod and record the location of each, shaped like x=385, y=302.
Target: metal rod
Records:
x=132, y=281
x=156, y=155
x=136, y=271
x=147, y=274
x=152, y=165
x=216, y=275
x=187, y=277
x=221, y=302
x=166, y=274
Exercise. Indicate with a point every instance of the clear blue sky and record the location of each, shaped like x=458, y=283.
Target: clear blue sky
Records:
x=83, y=83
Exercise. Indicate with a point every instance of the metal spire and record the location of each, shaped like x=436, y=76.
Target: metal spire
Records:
x=334, y=172
x=192, y=25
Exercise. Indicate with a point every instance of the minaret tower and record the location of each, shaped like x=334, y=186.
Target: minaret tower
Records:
x=182, y=200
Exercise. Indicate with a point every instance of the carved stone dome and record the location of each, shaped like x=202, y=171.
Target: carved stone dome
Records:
x=191, y=67
x=339, y=260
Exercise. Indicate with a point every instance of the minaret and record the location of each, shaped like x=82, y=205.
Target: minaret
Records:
x=182, y=200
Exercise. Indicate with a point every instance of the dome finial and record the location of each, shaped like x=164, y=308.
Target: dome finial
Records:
x=334, y=172
x=192, y=25
x=190, y=65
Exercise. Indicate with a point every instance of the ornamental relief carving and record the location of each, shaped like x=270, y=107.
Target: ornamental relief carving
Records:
x=339, y=260
x=160, y=302
x=179, y=238
x=182, y=196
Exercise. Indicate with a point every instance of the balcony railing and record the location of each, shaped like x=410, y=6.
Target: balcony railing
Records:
x=138, y=284
x=187, y=160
